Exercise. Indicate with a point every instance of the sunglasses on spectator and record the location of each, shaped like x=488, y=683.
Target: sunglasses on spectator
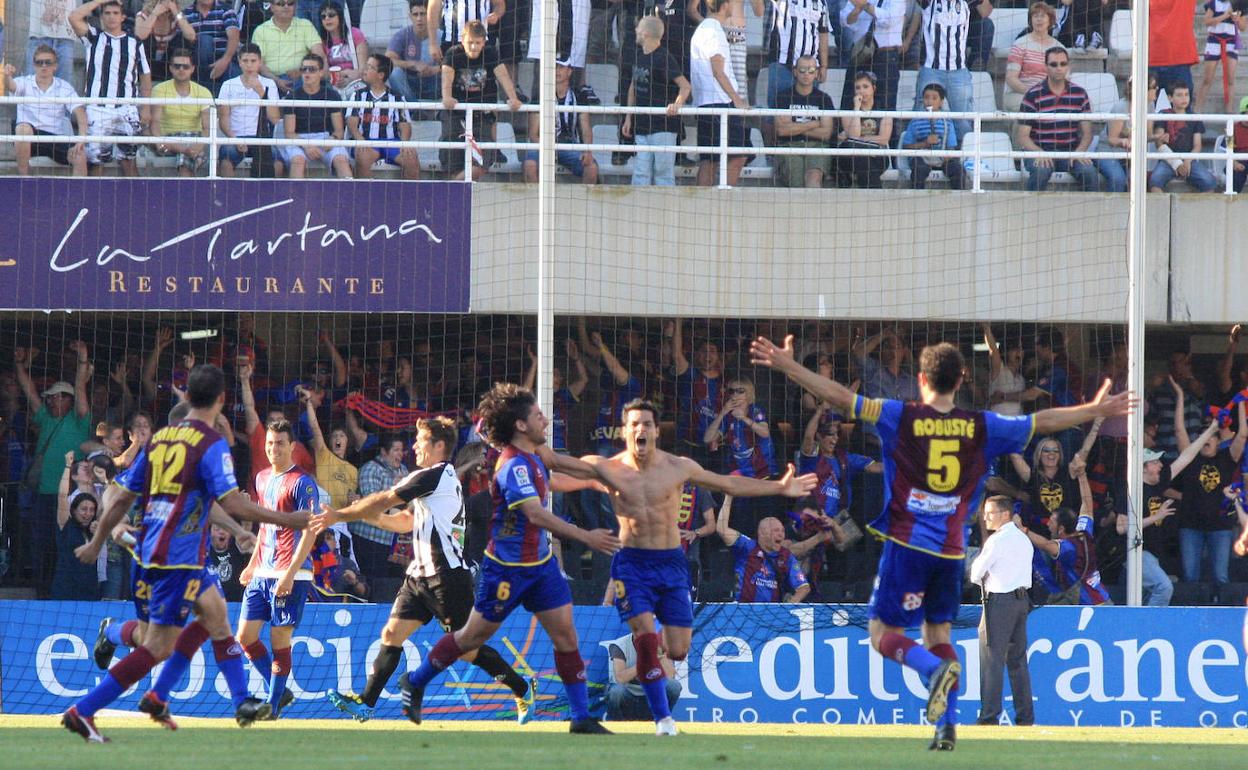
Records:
x=808, y=70
x=738, y=391
x=180, y=66
x=329, y=15
x=1050, y=450
x=1059, y=64
x=309, y=68
x=45, y=62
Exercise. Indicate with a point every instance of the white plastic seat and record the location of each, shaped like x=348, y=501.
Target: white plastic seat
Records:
x=380, y=19
x=1007, y=24
x=604, y=79
x=1120, y=34
x=994, y=169
x=427, y=131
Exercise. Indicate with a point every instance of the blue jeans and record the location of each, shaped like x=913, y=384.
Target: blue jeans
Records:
x=655, y=168
x=205, y=56
x=1084, y=173
x=1156, y=583
x=957, y=85
x=414, y=88
x=64, y=48
x=979, y=40
x=779, y=78
x=1176, y=73
x=1115, y=174
x=1200, y=177
x=1193, y=543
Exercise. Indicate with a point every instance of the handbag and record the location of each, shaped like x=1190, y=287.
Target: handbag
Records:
x=863, y=50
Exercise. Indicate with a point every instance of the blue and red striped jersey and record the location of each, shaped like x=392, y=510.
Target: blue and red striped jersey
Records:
x=693, y=501
x=698, y=401
x=607, y=437
x=834, y=473
x=514, y=540
x=184, y=469
x=752, y=455
x=288, y=491
x=763, y=576
x=935, y=467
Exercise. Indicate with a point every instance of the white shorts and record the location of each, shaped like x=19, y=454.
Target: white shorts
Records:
x=328, y=155
x=105, y=120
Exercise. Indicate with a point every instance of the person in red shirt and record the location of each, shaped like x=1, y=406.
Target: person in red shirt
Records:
x=1171, y=41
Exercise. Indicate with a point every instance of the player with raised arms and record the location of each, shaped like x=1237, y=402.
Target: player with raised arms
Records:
x=518, y=567
x=936, y=458
x=650, y=574
x=185, y=467
x=438, y=584
x=279, y=575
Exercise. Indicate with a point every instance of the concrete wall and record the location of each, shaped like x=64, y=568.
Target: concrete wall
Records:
x=827, y=253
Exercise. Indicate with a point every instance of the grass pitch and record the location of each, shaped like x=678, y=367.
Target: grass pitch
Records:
x=40, y=742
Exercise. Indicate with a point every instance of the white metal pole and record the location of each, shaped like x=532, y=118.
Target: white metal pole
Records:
x=546, y=209
x=1136, y=275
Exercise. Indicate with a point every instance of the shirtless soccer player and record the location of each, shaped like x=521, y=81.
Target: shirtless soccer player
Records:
x=650, y=575
x=936, y=458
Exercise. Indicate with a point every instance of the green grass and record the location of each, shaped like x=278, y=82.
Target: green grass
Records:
x=214, y=744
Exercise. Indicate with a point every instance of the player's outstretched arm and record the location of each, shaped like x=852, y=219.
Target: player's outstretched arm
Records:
x=364, y=508
x=790, y=485
x=601, y=540
x=1104, y=405
x=764, y=352
x=237, y=505
x=588, y=468
x=218, y=516
x=116, y=502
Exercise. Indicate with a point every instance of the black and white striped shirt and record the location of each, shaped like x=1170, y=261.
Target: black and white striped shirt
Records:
x=567, y=124
x=114, y=64
x=945, y=24
x=438, y=519
x=378, y=121
x=793, y=29
x=457, y=13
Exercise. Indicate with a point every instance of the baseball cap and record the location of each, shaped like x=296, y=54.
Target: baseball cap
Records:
x=59, y=388
x=1152, y=454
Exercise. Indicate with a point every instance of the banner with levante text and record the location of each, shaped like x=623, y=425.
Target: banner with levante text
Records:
x=235, y=245
x=1111, y=666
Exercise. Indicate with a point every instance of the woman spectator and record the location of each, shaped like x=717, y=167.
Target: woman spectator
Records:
x=343, y=54
x=1005, y=376
x=75, y=522
x=864, y=132
x=157, y=24
x=1116, y=137
x=1025, y=65
x=1047, y=482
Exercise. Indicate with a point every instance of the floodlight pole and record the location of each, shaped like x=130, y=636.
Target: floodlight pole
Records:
x=546, y=210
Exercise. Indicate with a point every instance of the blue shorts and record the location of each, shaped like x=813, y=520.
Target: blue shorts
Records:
x=912, y=587
x=500, y=589
x=653, y=581
x=386, y=153
x=260, y=603
x=569, y=159
x=166, y=597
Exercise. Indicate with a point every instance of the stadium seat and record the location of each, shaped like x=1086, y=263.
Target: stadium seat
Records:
x=604, y=79
x=755, y=38
x=1000, y=169
x=608, y=133
x=833, y=85
x=983, y=97
x=508, y=159
x=1120, y=34
x=907, y=88
x=759, y=167
x=1010, y=100
x=1102, y=88
x=427, y=131
x=1008, y=23
x=380, y=19
x=760, y=87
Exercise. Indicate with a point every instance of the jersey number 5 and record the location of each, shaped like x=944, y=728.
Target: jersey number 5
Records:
x=943, y=467
x=167, y=461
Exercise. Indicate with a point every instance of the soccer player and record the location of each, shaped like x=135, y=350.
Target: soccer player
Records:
x=649, y=573
x=186, y=466
x=438, y=585
x=279, y=575
x=936, y=457
x=518, y=568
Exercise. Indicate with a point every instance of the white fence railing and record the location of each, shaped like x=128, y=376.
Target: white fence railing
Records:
x=977, y=154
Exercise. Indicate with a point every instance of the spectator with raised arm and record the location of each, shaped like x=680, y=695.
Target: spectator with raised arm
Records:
x=255, y=430
x=1071, y=548
x=47, y=119
x=61, y=414
x=158, y=24
x=766, y=571
x=1165, y=403
x=75, y=524
x=1057, y=94
x=1006, y=382
x=1206, y=526
x=215, y=34
x=182, y=120
x=1049, y=482
x=892, y=376
x=334, y=471
x=698, y=397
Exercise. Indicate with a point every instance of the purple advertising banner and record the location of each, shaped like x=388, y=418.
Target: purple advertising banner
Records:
x=271, y=245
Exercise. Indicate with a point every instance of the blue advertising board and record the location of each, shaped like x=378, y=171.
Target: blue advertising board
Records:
x=1116, y=666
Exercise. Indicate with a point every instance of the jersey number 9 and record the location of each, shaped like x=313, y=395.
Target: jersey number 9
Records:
x=943, y=468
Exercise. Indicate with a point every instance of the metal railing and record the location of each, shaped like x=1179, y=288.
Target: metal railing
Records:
x=722, y=152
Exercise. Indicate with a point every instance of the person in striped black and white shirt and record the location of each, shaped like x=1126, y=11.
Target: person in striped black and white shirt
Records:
x=377, y=120
x=946, y=27
x=116, y=67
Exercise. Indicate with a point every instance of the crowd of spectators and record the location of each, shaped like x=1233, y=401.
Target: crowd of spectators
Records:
x=74, y=414
x=670, y=54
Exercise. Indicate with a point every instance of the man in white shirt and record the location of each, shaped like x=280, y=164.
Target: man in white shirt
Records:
x=715, y=85
x=47, y=119
x=1003, y=570
x=245, y=121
